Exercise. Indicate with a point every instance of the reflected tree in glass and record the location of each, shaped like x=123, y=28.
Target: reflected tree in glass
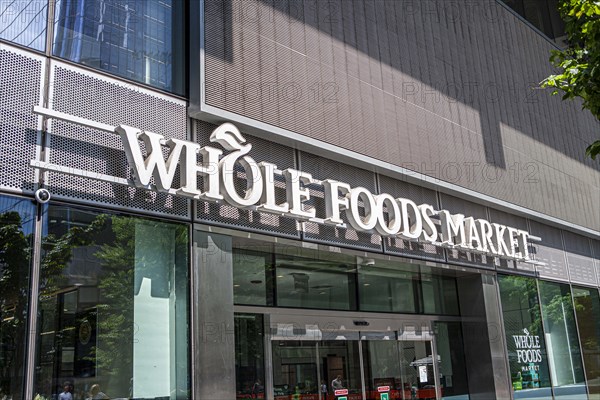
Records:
x=14, y=278
x=128, y=266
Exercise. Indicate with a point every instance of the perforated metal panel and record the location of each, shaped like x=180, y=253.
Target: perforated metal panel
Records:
x=455, y=206
x=596, y=253
x=549, y=251
x=20, y=90
x=416, y=84
x=501, y=217
x=579, y=259
x=92, y=96
x=419, y=195
x=226, y=215
x=322, y=168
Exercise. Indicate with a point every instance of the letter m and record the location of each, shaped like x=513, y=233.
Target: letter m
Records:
x=453, y=228
x=154, y=165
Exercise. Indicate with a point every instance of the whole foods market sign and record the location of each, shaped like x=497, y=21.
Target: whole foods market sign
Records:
x=366, y=212
x=528, y=349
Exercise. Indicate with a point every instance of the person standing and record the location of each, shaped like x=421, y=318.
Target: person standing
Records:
x=324, y=389
x=95, y=393
x=66, y=394
x=337, y=383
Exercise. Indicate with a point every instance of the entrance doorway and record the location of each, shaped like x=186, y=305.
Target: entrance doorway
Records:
x=370, y=366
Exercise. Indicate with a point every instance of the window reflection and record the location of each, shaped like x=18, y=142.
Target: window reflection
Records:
x=440, y=295
x=389, y=287
x=290, y=277
x=251, y=277
x=309, y=283
x=564, y=355
x=452, y=367
x=140, y=40
x=544, y=15
x=24, y=22
x=113, y=307
x=249, y=356
x=16, y=238
x=587, y=310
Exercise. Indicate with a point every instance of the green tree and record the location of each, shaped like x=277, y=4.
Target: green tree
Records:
x=579, y=63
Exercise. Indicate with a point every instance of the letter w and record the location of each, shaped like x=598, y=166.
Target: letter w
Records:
x=154, y=165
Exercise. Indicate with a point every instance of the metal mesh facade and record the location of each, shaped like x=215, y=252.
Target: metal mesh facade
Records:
x=549, y=251
x=226, y=215
x=460, y=206
x=501, y=217
x=596, y=252
x=579, y=259
x=100, y=99
x=322, y=168
x=20, y=88
x=420, y=196
x=393, y=80
x=89, y=95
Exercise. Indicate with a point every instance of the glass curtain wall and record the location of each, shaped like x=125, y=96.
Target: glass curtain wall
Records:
x=17, y=217
x=389, y=287
x=24, y=22
x=332, y=281
x=113, y=307
x=252, y=278
x=307, y=283
x=587, y=312
x=142, y=40
x=562, y=342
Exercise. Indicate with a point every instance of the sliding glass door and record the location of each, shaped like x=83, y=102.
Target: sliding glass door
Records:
x=377, y=367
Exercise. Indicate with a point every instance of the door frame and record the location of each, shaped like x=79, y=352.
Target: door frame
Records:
x=279, y=324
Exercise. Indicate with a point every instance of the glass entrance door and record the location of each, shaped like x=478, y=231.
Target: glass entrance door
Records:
x=403, y=369
x=371, y=369
x=314, y=370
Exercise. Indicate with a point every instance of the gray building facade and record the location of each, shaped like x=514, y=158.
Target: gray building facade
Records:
x=116, y=280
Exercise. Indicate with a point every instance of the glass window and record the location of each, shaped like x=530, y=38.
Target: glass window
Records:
x=249, y=356
x=252, y=277
x=587, y=311
x=544, y=15
x=312, y=283
x=339, y=365
x=113, y=307
x=16, y=238
x=524, y=337
x=24, y=22
x=453, y=373
x=382, y=367
x=142, y=40
x=389, y=287
x=564, y=355
x=440, y=295
x=294, y=368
